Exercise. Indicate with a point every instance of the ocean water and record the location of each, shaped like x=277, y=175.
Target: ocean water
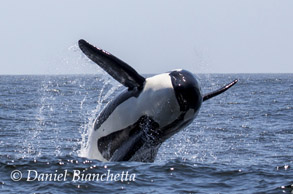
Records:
x=241, y=141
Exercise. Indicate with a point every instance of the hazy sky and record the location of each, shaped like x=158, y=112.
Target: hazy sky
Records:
x=203, y=36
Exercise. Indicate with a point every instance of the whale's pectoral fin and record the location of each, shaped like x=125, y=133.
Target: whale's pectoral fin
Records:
x=219, y=91
x=118, y=69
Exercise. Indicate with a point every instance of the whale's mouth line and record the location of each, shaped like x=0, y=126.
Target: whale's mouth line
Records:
x=219, y=91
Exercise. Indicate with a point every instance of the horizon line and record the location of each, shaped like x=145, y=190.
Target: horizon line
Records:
x=51, y=74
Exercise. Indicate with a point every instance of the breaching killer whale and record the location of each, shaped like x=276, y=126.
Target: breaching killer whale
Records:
x=133, y=125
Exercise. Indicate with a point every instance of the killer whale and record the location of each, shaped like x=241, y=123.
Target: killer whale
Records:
x=133, y=125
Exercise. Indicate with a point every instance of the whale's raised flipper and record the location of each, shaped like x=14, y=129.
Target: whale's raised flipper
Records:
x=219, y=91
x=118, y=69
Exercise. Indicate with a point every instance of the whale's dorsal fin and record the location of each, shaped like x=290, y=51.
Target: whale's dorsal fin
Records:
x=219, y=91
x=118, y=69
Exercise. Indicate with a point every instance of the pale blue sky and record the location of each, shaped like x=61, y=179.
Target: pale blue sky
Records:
x=203, y=36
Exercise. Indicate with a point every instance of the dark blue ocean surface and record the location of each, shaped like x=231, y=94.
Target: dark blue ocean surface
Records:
x=241, y=141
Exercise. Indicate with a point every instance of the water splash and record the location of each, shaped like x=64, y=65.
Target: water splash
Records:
x=86, y=129
x=44, y=111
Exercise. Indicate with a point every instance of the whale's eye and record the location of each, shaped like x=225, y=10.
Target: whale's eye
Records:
x=186, y=89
